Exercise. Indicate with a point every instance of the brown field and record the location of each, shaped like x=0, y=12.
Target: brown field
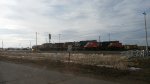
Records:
x=107, y=60
x=108, y=65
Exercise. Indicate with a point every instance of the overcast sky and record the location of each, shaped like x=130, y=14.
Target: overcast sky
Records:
x=75, y=20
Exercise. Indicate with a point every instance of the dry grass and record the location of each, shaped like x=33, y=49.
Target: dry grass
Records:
x=111, y=61
x=87, y=64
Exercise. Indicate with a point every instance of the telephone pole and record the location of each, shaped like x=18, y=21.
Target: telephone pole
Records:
x=99, y=39
x=30, y=45
x=2, y=44
x=146, y=34
x=36, y=48
x=109, y=37
x=49, y=38
x=59, y=37
x=59, y=42
x=99, y=44
x=36, y=38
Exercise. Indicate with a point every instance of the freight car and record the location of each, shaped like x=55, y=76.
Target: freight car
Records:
x=130, y=47
x=50, y=47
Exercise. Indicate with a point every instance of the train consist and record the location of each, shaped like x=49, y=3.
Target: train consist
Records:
x=83, y=45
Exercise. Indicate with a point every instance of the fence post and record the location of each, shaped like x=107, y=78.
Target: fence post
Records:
x=69, y=50
x=69, y=58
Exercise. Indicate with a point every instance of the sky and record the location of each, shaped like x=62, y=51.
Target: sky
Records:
x=73, y=20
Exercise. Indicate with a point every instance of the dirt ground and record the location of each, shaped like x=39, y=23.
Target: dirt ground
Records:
x=11, y=73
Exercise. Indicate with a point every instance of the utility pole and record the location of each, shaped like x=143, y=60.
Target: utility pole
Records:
x=59, y=41
x=36, y=38
x=30, y=44
x=109, y=37
x=99, y=39
x=49, y=38
x=99, y=44
x=59, y=37
x=146, y=33
x=30, y=48
x=36, y=43
x=2, y=44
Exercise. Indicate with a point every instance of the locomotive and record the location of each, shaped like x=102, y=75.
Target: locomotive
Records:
x=81, y=45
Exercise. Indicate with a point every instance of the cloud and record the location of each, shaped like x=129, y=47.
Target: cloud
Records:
x=74, y=19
